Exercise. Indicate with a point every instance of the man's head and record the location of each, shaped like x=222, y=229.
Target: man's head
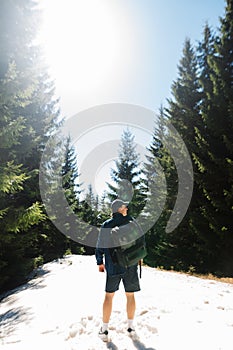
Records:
x=118, y=206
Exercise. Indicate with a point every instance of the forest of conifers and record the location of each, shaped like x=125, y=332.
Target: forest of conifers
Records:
x=200, y=109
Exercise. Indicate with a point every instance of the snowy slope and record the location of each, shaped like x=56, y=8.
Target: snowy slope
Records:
x=61, y=308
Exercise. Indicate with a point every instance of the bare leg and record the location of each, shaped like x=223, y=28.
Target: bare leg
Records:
x=130, y=305
x=107, y=307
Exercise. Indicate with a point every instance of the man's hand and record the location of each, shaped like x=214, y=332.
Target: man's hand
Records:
x=101, y=268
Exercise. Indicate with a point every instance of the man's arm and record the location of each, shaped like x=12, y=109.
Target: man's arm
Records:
x=99, y=251
x=99, y=254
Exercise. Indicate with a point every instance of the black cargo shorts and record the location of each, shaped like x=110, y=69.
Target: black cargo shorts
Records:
x=129, y=278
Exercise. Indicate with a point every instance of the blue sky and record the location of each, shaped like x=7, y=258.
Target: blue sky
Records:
x=103, y=51
x=162, y=27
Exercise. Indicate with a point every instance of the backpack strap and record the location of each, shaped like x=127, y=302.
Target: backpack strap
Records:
x=140, y=268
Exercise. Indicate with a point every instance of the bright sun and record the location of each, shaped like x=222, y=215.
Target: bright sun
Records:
x=86, y=43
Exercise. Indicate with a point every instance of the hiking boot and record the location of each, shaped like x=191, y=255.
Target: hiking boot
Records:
x=103, y=335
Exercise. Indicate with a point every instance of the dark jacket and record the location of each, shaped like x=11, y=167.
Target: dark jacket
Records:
x=104, y=244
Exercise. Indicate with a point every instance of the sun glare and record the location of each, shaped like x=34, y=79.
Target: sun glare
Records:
x=84, y=42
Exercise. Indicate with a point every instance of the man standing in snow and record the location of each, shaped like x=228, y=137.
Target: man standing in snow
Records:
x=114, y=272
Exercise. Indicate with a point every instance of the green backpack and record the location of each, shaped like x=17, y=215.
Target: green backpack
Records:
x=129, y=245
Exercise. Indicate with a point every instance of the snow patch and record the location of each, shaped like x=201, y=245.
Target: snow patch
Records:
x=61, y=307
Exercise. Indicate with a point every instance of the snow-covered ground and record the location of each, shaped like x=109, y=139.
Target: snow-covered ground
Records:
x=61, y=309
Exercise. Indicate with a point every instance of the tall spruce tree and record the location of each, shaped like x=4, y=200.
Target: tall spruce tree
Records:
x=184, y=113
x=72, y=192
x=155, y=170
x=209, y=244
x=28, y=114
x=70, y=176
x=127, y=175
x=90, y=207
x=90, y=214
x=223, y=64
x=215, y=156
x=104, y=207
